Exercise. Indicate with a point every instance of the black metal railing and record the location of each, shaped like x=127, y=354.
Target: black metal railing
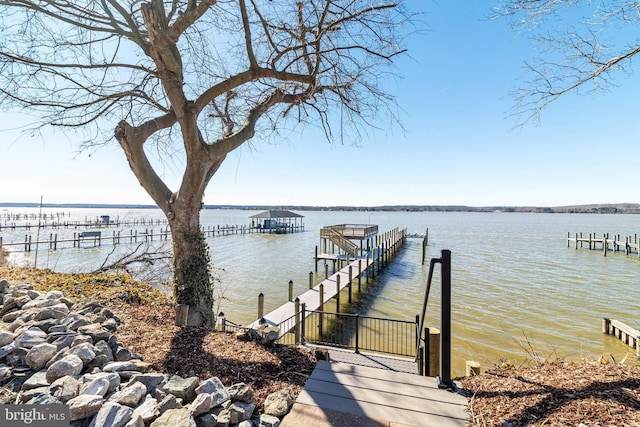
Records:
x=351, y=331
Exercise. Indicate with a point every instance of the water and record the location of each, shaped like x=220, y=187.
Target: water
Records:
x=517, y=288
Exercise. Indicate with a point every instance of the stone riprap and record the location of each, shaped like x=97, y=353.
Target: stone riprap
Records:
x=51, y=354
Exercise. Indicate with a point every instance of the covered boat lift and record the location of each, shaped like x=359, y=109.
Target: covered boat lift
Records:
x=277, y=221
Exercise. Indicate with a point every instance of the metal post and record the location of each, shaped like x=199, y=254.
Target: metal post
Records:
x=357, y=333
x=444, y=381
x=303, y=316
x=290, y=290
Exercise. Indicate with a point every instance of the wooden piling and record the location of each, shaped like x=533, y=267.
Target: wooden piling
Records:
x=260, y=305
x=433, y=352
x=472, y=368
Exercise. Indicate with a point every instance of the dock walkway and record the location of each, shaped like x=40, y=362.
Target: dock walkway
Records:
x=339, y=394
x=311, y=298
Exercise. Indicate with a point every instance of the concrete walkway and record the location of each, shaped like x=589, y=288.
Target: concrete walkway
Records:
x=339, y=394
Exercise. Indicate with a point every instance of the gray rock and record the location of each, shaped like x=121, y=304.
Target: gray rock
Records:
x=151, y=380
x=243, y=410
x=169, y=402
x=81, y=339
x=77, y=323
x=201, y=404
x=182, y=388
x=112, y=377
x=119, y=367
x=84, y=351
x=122, y=354
x=4, y=285
x=6, y=350
x=147, y=410
x=40, y=302
x=30, y=338
x=226, y=417
x=11, y=316
x=99, y=386
x=111, y=415
x=38, y=356
x=101, y=347
x=84, y=406
x=110, y=325
x=44, y=399
x=241, y=392
x=268, y=421
x=175, y=417
x=130, y=395
x=278, y=404
x=37, y=380
x=62, y=340
x=206, y=420
x=245, y=424
x=216, y=389
x=6, y=337
x=58, y=311
x=135, y=421
x=95, y=331
x=22, y=300
x=65, y=388
x=68, y=365
x=58, y=329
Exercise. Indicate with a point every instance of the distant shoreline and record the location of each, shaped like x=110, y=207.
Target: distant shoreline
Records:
x=616, y=208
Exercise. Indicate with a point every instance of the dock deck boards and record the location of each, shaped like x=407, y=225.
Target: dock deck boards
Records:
x=311, y=298
x=381, y=396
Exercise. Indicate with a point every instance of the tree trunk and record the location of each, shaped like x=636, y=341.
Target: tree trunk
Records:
x=192, y=279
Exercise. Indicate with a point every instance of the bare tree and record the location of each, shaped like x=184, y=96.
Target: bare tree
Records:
x=582, y=44
x=196, y=80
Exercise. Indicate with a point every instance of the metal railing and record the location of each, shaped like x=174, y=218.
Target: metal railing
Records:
x=351, y=331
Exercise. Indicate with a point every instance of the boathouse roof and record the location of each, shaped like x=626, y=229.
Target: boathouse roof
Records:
x=277, y=213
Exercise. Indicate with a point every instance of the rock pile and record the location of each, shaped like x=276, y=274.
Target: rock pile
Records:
x=52, y=354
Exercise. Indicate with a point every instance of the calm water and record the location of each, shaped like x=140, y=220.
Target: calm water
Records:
x=514, y=279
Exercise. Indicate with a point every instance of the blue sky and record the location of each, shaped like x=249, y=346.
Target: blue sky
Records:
x=459, y=145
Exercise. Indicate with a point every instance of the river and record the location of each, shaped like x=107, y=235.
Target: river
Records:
x=517, y=289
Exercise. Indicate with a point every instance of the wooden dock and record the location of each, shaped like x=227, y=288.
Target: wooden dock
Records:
x=319, y=296
x=629, y=244
x=628, y=335
x=340, y=394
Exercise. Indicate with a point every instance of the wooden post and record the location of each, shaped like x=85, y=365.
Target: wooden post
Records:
x=359, y=274
x=576, y=240
x=311, y=279
x=350, y=279
x=290, y=290
x=321, y=309
x=260, y=305
x=296, y=310
x=367, y=267
x=338, y=293
x=472, y=368
x=434, y=352
x=316, y=258
x=604, y=244
x=606, y=322
x=326, y=270
x=182, y=313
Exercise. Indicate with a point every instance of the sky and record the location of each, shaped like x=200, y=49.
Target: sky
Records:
x=458, y=144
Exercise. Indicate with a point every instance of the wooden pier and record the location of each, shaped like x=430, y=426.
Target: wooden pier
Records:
x=628, y=335
x=317, y=297
x=630, y=244
x=97, y=237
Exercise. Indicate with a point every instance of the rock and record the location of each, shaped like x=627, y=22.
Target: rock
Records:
x=84, y=406
x=110, y=325
x=6, y=337
x=216, y=389
x=68, y=365
x=97, y=386
x=206, y=420
x=30, y=338
x=243, y=410
x=4, y=285
x=278, y=404
x=101, y=347
x=44, y=399
x=95, y=331
x=111, y=415
x=131, y=394
x=58, y=311
x=62, y=340
x=112, y=377
x=245, y=423
x=169, y=402
x=119, y=367
x=6, y=350
x=182, y=388
x=37, y=380
x=151, y=381
x=148, y=409
x=84, y=351
x=121, y=354
x=241, y=392
x=135, y=421
x=39, y=355
x=201, y=404
x=226, y=417
x=175, y=417
x=268, y=421
x=65, y=388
